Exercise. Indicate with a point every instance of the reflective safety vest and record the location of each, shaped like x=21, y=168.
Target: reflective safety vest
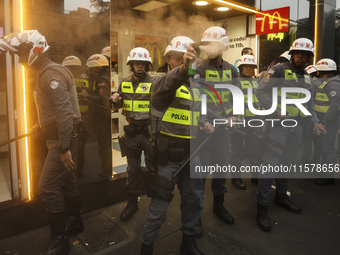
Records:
x=181, y=118
x=136, y=104
x=291, y=80
x=213, y=75
x=321, y=99
x=245, y=84
x=82, y=84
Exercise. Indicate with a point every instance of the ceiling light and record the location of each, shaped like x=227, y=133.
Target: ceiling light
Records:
x=149, y=6
x=221, y=9
x=201, y=3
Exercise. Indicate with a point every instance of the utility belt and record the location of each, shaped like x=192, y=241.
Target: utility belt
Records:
x=132, y=129
x=52, y=131
x=171, y=149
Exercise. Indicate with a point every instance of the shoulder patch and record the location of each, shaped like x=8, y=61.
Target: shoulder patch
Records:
x=144, y=87
x=54, y=84
x=333, y=93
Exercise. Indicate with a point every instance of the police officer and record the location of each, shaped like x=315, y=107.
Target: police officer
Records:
x=283, y=141
x=100, y=109
x=246, y=146
x=213, y=70
x=134, y=96
x=327, y=102
x=58, y=110
x=172, y=95
x=74, y=65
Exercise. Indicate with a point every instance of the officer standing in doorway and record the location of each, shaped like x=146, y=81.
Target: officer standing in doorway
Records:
x=134, y=96
x=283, y=142
x=172, y=96
x=216, y=70
x=74, y=65
x=59, y=116
x=100, y=109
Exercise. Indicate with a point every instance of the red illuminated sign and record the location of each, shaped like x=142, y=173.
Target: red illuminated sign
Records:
x=272, y=21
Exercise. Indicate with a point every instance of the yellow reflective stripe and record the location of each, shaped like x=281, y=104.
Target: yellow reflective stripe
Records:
x=82, y=83
x=227, y=76
x=180, y=92
x=255, y=100
x=323, y=84
x=127, y=105
x=321, y=97
x=178, y=116
x=211, y=75
x=225, y=95
x=291, y=95
x=127, y=87
x=255, y=84
x=196, y=118
x=141, y=106
x=83, y=108
x=293, y=111
x=321, y=108
x=249, y=113
x=245, y=84
x=229, y=111
x=178, y=136
x=143, y=88
x=289, y=75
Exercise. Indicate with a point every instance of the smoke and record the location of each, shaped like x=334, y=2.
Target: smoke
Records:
x=213, y=49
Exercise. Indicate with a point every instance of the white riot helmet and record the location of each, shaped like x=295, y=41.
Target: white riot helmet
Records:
x=71, y=61
x=139, y=54
x=286, y=55
x=311, y=69
x=302, y=44
x=326, y=65
x=247, y=60
x=106, y=51
x=29, y=40
x=216, y=34
x=179, y=43
x=97, y=60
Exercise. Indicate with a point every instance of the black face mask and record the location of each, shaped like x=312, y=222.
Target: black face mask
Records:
x=139, y=74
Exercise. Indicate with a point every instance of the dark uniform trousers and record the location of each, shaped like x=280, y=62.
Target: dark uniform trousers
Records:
x=240, y=150
x=192, y=196
x=103, y=130
x=216, y=152
x=135, y=146
x=56, y=181
x=328, y=146
x=282, y=148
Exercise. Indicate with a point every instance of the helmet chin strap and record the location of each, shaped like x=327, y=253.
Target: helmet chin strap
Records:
x=139, y=75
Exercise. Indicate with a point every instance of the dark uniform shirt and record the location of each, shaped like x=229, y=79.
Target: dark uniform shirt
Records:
x=56, y=99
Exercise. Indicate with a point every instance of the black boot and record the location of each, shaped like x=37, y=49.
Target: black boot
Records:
x=75, y=222
x=324, y=182
x=283, y=201
x=58, y=244
x=189, y=246
x=199, y=230
x=238, y=183
x=220, y=211
x=146, y=249
x=131, y=208
x=262, y=218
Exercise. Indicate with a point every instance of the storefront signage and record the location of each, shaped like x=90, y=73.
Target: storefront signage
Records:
x=276, y=36
x=272, y=21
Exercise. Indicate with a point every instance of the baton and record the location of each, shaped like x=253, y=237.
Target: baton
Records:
x=197, y=150
x=14, y=139
x=89, y=101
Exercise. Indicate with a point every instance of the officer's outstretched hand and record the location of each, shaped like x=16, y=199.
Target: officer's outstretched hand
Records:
x=319, y=128
x=66, y=158
x=282, y=116
x=207, y=128
x=189, y=56
x=115, y=97
x=231, y=121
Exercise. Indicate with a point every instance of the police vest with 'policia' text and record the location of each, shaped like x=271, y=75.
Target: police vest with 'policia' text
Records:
x=181, y=118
